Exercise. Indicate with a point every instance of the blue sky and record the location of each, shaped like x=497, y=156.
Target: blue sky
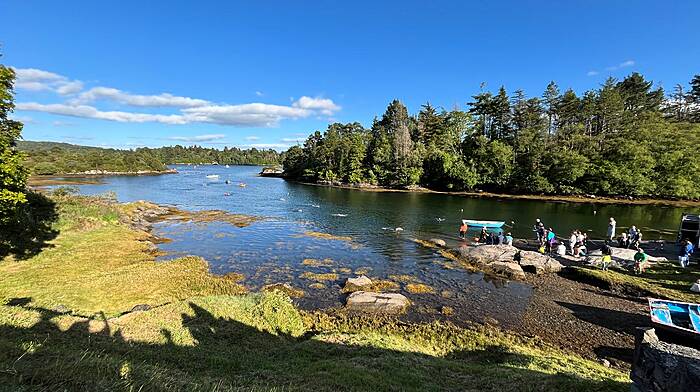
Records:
x=151, y=73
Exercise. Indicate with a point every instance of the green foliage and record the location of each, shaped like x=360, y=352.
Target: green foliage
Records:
x=622, y=139
x=45, y=158
x=13, y=176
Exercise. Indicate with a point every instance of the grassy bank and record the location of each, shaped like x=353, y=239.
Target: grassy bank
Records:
x=663, y=280
x=63, y=326
x=97, y=264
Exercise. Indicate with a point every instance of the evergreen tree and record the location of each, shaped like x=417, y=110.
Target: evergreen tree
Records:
x=551, y=99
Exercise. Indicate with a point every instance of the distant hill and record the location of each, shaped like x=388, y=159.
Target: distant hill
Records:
x=47, y=158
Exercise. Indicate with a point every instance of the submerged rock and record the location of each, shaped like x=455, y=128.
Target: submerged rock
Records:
x=391, y=303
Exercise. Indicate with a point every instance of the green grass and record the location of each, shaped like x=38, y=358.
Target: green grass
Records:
x=202, y=338
x=663, y=279
x=97, y=264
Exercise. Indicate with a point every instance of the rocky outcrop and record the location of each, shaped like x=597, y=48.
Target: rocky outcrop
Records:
x=272, y=172
x=507, y=269
x=660, y=366
x=387, y=303
x=532, y=262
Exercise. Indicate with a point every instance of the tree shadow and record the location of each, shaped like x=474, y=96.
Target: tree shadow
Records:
x=32, y=230
x=230, y=355
x=615, y=320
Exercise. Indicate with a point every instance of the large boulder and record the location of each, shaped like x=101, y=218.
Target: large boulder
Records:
x=533, y=262
x=365, y=301
x=507, y=269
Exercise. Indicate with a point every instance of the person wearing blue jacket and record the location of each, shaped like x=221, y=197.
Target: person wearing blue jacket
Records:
x=684, y=253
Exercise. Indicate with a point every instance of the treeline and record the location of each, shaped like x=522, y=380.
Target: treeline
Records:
x=624, y=138
x=46, y=158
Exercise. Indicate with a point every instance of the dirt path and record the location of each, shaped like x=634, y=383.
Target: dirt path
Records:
x=587, y=320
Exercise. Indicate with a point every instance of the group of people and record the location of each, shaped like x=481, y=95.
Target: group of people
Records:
x=578, y=243
x=546, y=237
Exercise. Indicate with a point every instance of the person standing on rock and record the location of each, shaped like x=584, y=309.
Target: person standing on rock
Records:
x=536, y=229
x=463, y=230
x=611, y=229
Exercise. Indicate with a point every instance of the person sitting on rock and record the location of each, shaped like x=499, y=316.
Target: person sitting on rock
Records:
x=509, y=239
x=623, y=241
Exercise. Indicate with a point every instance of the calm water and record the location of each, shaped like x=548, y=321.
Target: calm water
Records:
x=272, y=250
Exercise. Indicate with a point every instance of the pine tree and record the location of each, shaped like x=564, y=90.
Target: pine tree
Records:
x=551, y=99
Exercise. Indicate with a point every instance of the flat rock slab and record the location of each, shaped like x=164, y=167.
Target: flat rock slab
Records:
x=529, y=261
x=389, y=303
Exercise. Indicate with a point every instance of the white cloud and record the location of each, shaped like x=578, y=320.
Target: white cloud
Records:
x=198, y=138
x=627, y=63
x=624, y=64
x=85, y=111
x=39, y=80
x=190, y=110
x=252, y=138
x=259, y=93
x=161, y=100
x=249, y=114
x=324, y=106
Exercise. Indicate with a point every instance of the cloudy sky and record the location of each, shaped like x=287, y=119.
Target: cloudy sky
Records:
x=148, y=73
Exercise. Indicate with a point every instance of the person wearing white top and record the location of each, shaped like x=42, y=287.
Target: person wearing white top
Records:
x=611, y=229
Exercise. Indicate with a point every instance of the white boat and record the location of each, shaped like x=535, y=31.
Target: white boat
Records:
x=213, y=176
x=227, y=166
x=483, y=223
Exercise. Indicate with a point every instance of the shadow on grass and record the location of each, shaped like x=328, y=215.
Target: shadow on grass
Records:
x=230, y=355
x=31, y=231
x=616, y=320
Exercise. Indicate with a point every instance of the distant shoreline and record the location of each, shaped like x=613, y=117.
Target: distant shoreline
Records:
x=88, y=177
x=548, y=198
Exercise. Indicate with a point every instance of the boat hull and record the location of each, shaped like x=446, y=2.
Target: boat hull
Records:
x=480, y=223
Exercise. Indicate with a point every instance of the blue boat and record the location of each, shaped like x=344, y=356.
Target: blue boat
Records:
x=483, y=223
x=680, y=317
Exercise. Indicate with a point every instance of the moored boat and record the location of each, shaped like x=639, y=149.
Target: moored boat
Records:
x=483, y=223
x=682, y=318
x=213, y=176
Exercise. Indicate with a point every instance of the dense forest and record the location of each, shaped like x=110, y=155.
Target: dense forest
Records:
x=60, y=158
x=624, y=138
